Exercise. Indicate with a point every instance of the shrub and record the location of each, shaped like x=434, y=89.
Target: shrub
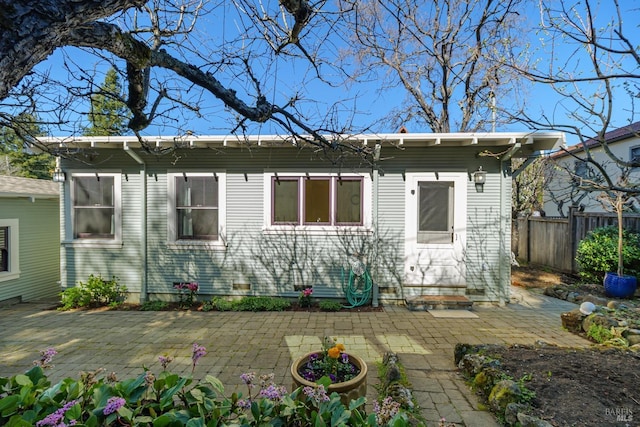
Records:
x=154, y=306
x=168, y=399
x=597, y=253
x=217, y=303
x=97, y=292
x=261, y=304
x=329, y=305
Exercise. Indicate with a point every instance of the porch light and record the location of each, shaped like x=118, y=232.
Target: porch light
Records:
x=59, y=175
x=479, y=178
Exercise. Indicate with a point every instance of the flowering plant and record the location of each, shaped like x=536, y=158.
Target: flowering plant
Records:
x=188, y=291
x=331, y=365
x=305, y=297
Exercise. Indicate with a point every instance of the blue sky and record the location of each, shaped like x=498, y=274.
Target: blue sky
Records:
x=359, y=105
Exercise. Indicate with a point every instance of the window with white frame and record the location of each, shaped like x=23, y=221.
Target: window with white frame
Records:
x=9, y=251
x=317, y=200
x=95, y=200
x=196, y=206
x=634, y=154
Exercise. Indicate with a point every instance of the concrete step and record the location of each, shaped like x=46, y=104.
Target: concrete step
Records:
x=439, y=302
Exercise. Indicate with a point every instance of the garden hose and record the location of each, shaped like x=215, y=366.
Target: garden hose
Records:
x=357, y=289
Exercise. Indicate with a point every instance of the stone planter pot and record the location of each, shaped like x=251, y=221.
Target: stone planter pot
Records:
x=619, y=286
x=348, y=390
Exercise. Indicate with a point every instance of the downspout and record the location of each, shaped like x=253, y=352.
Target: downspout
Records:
x=374, y=217
x=504, y=298
x=143, y=221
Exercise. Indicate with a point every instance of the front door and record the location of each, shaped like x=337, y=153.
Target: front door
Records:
x=436, y=213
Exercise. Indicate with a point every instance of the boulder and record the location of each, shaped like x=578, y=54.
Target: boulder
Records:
x=529, y=421
x=598, y=319
x=572, y=320
x=632, y=336
x=504, y=393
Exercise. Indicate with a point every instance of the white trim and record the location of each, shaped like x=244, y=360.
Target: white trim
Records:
x=14, y=249
x=367, y=207
x=172, y=240
x=116, y=241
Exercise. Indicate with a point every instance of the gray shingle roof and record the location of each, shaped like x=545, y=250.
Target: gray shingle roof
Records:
x=15, y=186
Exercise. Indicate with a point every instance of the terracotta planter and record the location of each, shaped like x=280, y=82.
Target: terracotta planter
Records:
x=619, y=286
x=348, y=390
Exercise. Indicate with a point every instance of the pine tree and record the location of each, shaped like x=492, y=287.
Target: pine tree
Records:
x=16, y=158
x=109, y=114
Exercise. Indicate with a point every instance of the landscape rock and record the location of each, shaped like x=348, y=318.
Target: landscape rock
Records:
x=595, y=299
x=632, y=336
x=511, y=412
x=598, y=319
x=572, y=320
x=504, y=393
x=529, y=421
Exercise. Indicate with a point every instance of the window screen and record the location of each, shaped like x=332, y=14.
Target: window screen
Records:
x=285, y=201
x=435, y=212
x=4, y=248
x=348, y=201
x=316, y=201
x=197, y=207
x=94, y=208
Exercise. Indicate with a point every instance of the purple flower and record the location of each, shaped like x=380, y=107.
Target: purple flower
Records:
x=193, y=286
x=113, y=404
x=243, y=404
x=164, y=361
x=248, y=377
x=198, y=352
x=55, y=419
x=272, y=392
x=345, y=358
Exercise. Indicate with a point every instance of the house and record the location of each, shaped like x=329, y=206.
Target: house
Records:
x=265, y=215
x=563, y=189
x=29, y=239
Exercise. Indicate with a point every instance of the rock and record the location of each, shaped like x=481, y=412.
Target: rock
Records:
x=556, y=292
x=613, y=305
x=486, y=379
x=632, y=336
x=572, y=320
x=472, y=364
x=511, y=412
x=635, y=347
x=503, y=393
x=596, y=300
x=598, y=319
x=573, y=297
x=529, y=421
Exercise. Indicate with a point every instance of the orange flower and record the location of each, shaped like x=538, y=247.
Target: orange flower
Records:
x=334, y=352
x=340, y=347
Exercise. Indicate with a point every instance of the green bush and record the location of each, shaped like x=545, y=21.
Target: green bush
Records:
x=168, y=399
x=154, y=305
x=597, y=253
x=326, y=305
x=261, y=304
x=217, y=303
x=97, y=292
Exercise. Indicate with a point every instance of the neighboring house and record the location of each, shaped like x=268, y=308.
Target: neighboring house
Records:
x=29, y=239
x=265, y=216
x=563, y=181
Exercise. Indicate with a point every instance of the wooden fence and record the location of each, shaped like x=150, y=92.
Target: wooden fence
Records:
x=552, y=242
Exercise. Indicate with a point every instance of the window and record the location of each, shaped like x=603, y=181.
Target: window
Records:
x=4, y=249
x=435, y=212
x=196, y=209
x=96, y=206
x=9, y=251
x=634, y=154
x=317, y=200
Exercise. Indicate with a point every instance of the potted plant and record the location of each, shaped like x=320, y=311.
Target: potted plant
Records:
x=617, y=285
x=334, y=368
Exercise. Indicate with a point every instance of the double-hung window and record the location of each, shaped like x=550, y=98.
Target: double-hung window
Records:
x=196, y=207
x=317, y=200
x=95, y=200
x=9, y=251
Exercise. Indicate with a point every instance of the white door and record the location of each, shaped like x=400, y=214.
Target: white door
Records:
x=436, y=223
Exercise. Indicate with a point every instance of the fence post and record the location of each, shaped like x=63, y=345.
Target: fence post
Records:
x=573, y=237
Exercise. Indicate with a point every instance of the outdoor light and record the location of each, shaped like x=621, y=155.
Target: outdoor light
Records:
x=479, y=178
x=59, y=176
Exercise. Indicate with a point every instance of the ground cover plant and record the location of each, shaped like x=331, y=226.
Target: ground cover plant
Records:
x=96, y=292
x=169, y=399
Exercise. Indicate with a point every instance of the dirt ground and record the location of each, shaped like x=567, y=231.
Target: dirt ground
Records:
x=573, y=387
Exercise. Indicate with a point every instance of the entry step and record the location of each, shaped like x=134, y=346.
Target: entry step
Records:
x=439, y=302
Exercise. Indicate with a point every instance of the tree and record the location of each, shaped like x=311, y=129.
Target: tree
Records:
x=16, y=158
x=590, y=58
x=108, y=114
x=168, y=66
x=442, y=53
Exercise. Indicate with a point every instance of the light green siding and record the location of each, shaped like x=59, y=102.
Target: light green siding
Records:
x=39, y=247
x=272, y=263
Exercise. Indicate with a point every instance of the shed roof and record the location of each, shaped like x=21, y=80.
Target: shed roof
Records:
x=523, y=144
x=16, y=186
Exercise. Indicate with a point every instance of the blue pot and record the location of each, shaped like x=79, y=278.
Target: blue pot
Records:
x=619, y=286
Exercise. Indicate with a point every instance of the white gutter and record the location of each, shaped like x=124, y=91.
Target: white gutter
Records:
x=143, y=221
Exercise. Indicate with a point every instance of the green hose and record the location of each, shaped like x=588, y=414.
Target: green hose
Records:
x=358, y=289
